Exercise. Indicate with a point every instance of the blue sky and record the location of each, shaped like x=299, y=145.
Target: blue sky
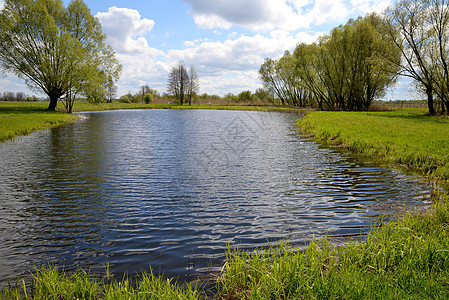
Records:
x=225, y=40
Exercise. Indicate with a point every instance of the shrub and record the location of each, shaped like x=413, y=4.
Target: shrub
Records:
x=148, y=98
x=125, y=99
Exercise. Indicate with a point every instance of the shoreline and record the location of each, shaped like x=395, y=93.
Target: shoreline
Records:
x=407, y=258
x=22, y=118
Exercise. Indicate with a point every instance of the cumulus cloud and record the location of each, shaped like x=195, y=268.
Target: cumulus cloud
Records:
x=230, y=82
x=237, y=54
x=266, y=15
x=370, y=6
x=125, y=29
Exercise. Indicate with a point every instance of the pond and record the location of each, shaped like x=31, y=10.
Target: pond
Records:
x=171, y=189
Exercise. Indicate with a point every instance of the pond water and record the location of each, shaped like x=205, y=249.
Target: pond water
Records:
x=172, y=189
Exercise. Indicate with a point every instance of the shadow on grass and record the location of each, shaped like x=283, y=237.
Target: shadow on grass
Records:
x=24, y=108
x=419, y=116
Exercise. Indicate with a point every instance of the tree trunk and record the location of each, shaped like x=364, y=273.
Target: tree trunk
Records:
x=429, y=92
x=53, y=102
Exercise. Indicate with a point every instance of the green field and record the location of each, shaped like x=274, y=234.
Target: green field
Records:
x=408, y=138
x=18, y=119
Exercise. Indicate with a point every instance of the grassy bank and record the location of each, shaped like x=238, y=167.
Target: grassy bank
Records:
x=408, y=138
x=21, y=118
x=408, y=259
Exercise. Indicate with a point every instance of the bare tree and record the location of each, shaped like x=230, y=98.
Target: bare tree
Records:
x=194, y=85
x=111, y=89
x=178, y=82
x=409, y=30
x=144, y=89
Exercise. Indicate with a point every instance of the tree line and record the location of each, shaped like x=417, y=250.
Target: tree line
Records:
x=356, y=63
x=19, y=96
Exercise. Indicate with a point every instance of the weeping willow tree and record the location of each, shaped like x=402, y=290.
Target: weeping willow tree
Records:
x=344, y=70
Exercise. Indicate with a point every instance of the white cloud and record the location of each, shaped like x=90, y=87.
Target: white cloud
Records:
x=266, y=15
x=2, y=4
x=370, y=6
x=125, y=29
x=230, y=82
x=242, y=53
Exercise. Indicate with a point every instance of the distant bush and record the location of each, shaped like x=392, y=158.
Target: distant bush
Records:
x=245, y=96
x=148, y=98
x=124, y=99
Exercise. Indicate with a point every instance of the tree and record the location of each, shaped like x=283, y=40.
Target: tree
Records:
x=271, y=80
x=144, y=89
x=194, y=85
x=437, y=18
x=111, y=88
x=148, y=98
x=58, y=50
x=348, y=68
x=409, y=31
x=178, y=82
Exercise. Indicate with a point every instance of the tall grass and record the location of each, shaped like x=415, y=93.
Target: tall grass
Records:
x=49, y=283
x=408, y=259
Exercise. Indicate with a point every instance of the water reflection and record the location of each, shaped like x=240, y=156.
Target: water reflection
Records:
x=171, y=189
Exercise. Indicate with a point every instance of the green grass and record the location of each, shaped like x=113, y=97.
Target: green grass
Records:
x=49, y=283
x=408, y=259
x=18, y=118
x=407, y=138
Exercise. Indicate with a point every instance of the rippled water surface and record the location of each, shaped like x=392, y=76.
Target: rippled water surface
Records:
x=172, y=189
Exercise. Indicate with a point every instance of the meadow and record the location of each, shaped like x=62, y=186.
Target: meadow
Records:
x=18, y=119
x=409, y=138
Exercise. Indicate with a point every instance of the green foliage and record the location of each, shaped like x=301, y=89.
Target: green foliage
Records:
x=420, y=30
x=263, y=95
x=345, y=70
x=148, y=98
x=125, y=99
x=245, y=96
x=60, y=51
